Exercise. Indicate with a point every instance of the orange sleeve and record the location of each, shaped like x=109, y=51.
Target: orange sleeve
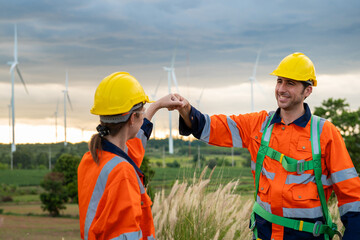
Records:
x=234, y=130
x=344, y=177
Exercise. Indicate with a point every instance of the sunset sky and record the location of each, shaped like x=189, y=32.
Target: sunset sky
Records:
x=217, y=43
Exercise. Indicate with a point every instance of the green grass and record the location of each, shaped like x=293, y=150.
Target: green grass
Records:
x=22, y=177
x=164, y=178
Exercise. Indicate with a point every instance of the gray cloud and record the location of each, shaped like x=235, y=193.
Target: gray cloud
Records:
x=217, y=43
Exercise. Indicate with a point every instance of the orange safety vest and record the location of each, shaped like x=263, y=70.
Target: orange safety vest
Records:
x=283, y=193
x=113, y=203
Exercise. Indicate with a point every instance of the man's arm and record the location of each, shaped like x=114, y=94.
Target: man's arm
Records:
x=346, y=182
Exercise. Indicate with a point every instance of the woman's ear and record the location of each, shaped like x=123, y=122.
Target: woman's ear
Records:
x=132, y=119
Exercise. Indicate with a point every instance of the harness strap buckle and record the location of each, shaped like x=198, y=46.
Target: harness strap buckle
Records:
x=316, y=229
x=300, y=166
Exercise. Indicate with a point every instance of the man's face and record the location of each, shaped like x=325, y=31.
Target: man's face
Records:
x=290, y=94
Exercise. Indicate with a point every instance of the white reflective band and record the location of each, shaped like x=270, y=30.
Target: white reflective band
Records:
x=322, y=122
x=205, y=135
x=294, y=212
x=266, y=121
x=269, y=175
x=264, y=205
x=314, y=130
x=150, y=237
x=142, y=189
x=253, y=165
x=315, y=212
x=98, y=192
x=129, y=236
x=141, y=135
x=306, y=178
x=235, y=135
x=268, y=133
x=343, y=175
x=349, y=207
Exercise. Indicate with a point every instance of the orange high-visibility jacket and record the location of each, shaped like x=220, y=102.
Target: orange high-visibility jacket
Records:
x=113, y=203
x=283, y=193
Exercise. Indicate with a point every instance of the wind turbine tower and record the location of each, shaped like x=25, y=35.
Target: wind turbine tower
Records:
x=171, y=76
x=253, y=80
x=66, y=99
x=14, y=66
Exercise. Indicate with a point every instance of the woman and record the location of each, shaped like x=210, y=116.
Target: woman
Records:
x=113, y=203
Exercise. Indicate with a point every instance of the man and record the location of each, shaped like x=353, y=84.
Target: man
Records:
x=297, y=159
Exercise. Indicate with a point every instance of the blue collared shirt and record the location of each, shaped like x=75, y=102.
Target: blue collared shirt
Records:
x=301, y=121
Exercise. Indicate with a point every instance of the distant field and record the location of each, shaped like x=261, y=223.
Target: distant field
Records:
x=164, y=177
x=22, y=177
x=38, y=228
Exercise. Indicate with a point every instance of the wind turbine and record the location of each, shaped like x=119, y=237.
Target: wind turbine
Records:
x=171, y=76
x=66, y=97
x=253, y=80
x=14, y=66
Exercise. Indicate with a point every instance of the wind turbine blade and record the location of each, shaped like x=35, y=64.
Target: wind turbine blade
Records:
x=15, y=43
x=13, y=65
x=174, y=55
x=256, y=63
x=21, y=78
x=174, y=80
x=68, y=98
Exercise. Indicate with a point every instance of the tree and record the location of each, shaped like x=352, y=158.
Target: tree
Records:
x=23, y=159
x=338, y=112
x=67, y=165
x=60, y=184
x=55, y=197
x=149, y=173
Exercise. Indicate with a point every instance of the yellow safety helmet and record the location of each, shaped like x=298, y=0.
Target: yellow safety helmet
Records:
x=296, y=66
x=117, y=94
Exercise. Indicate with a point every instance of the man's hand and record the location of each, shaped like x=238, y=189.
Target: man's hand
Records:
x=185, y=109
x=170, y=101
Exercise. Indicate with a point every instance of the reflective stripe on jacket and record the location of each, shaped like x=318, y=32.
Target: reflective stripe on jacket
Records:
x=113, y=203
x=283, y=193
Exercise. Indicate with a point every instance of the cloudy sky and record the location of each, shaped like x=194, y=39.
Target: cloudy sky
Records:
x=217, y=44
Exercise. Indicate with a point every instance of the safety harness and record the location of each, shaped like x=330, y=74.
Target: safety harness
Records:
x=329, y=229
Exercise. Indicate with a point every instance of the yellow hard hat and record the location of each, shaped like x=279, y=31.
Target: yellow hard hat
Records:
x=296, y=66
x=117, y=94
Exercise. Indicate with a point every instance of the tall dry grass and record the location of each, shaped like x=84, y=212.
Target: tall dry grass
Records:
x=190, y=212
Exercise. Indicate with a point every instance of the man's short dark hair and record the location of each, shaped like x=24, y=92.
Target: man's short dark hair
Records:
x=305, y=84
